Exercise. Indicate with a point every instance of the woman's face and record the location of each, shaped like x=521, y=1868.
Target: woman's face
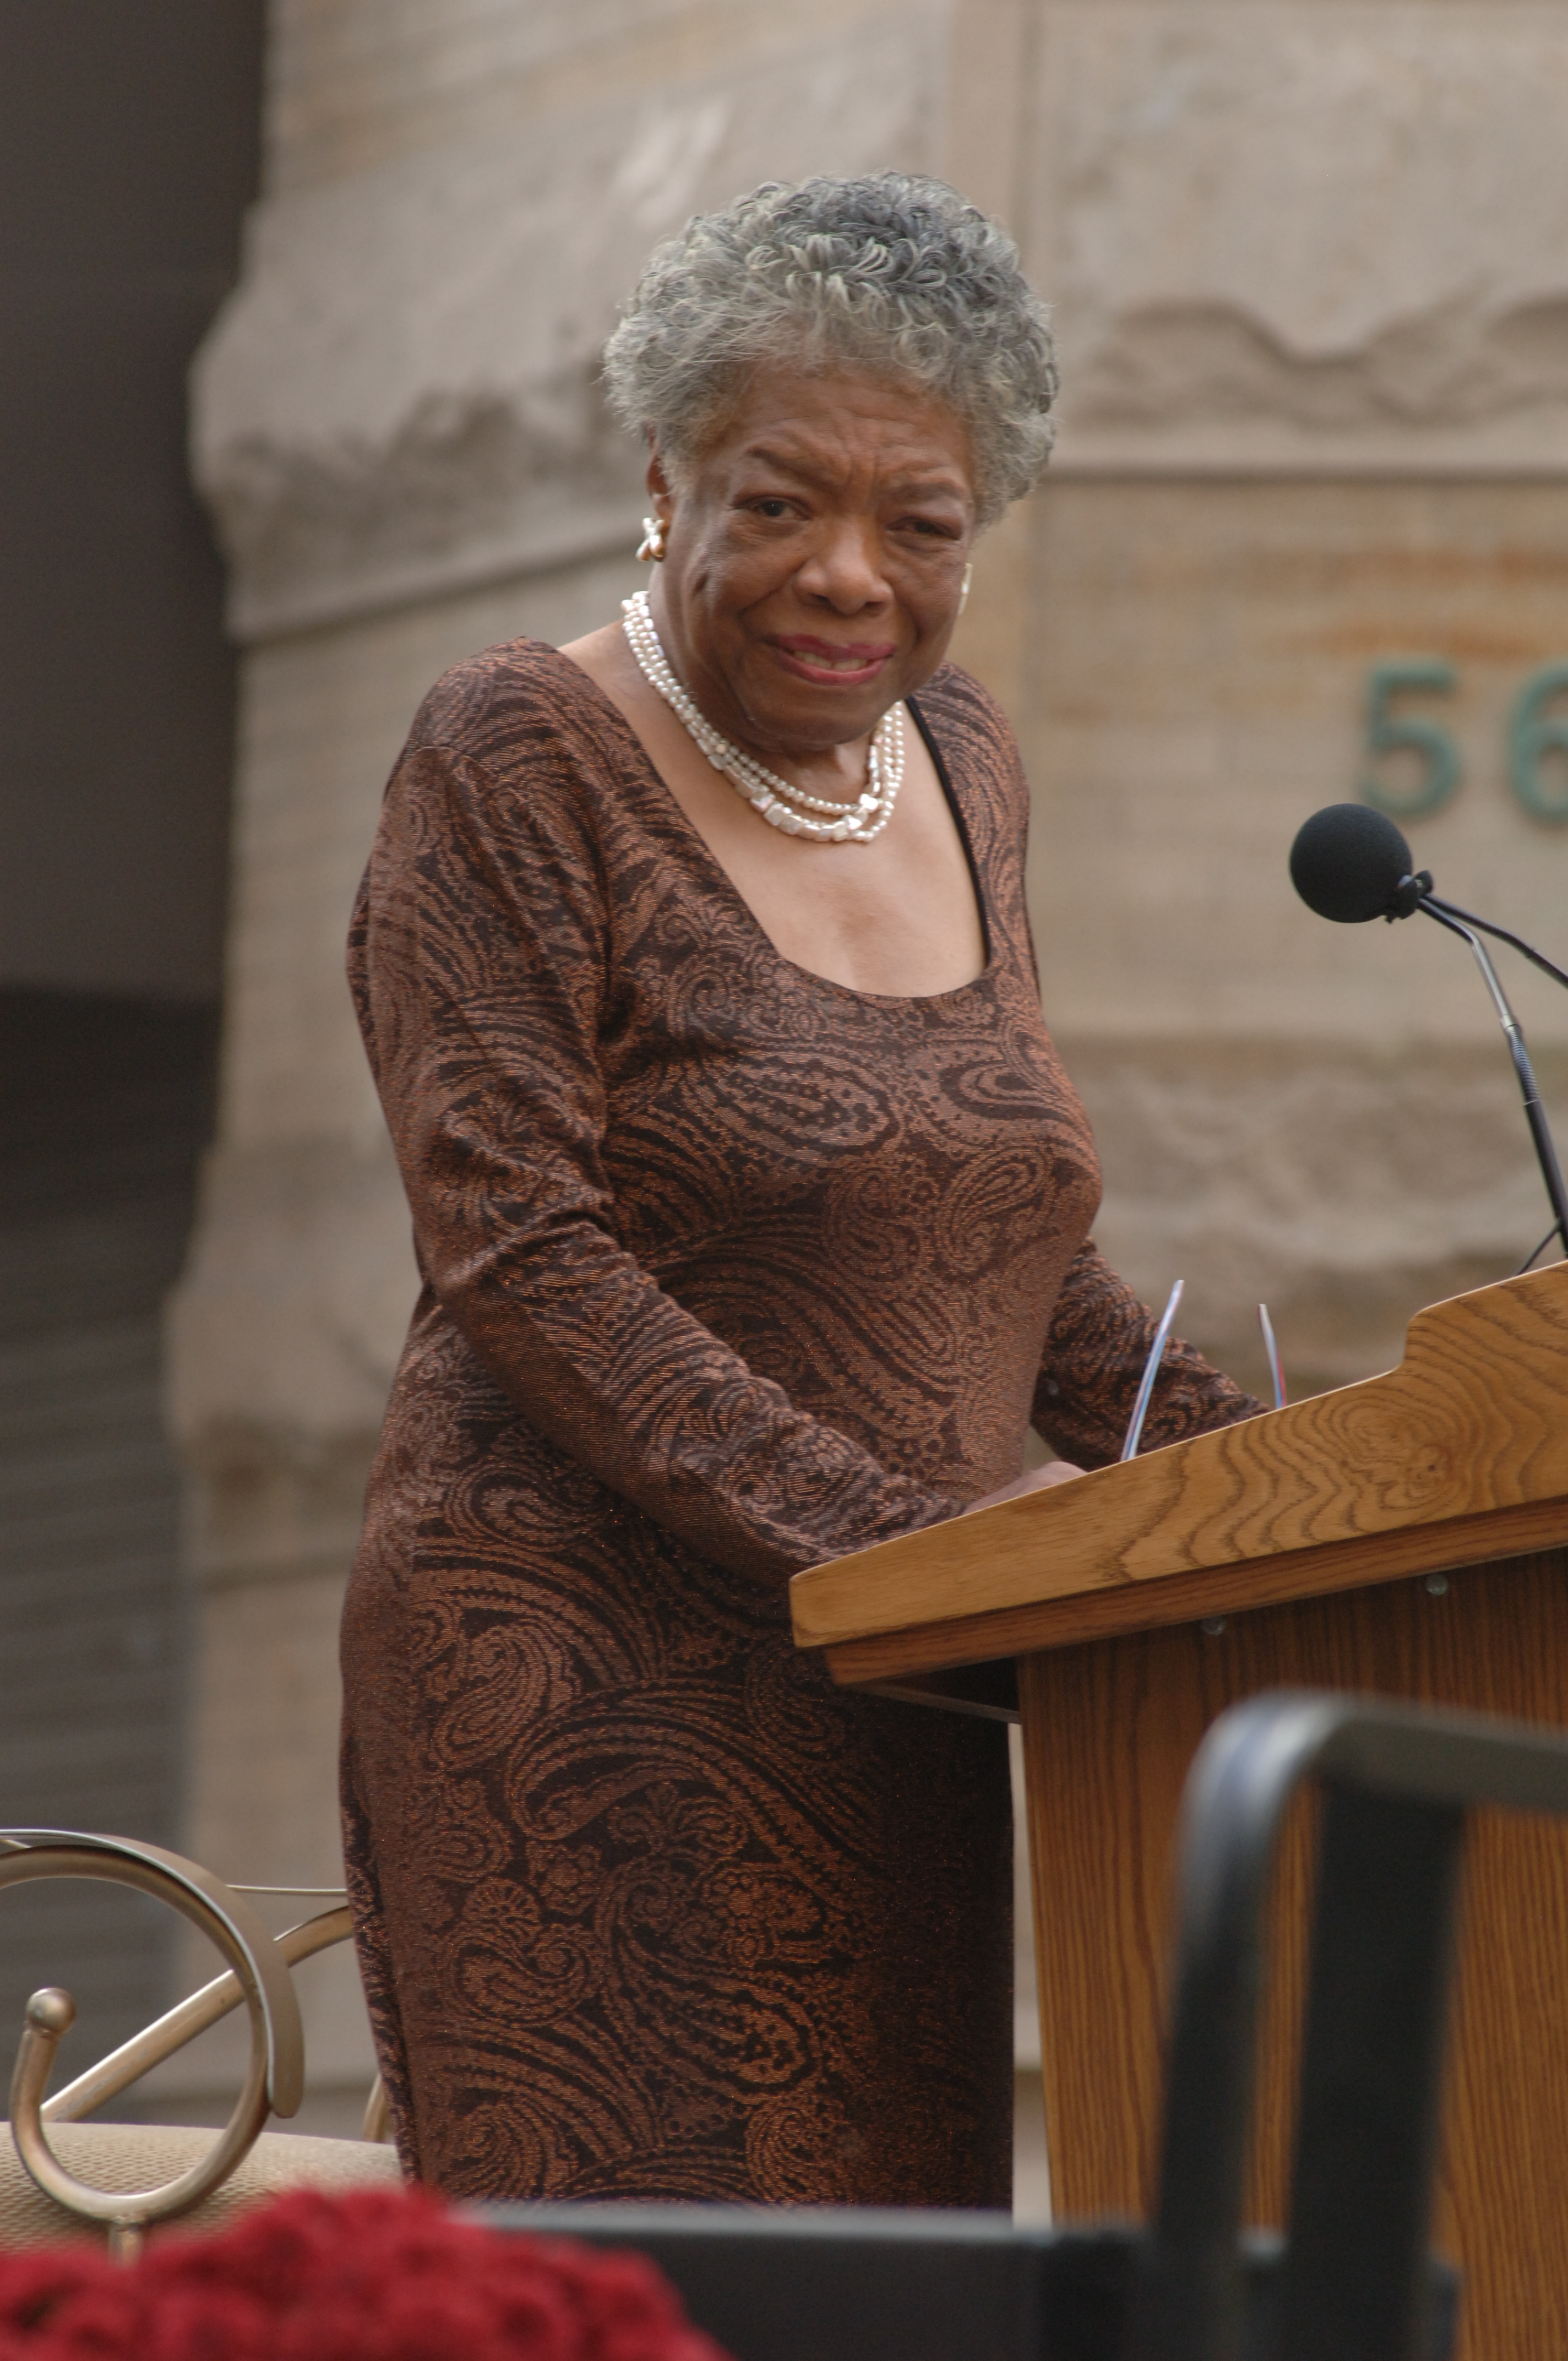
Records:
x=816, y=558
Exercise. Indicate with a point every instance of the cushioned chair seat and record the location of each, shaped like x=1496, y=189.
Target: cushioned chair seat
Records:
x=146, y=2155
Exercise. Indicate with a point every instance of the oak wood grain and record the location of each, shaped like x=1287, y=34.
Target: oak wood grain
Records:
x=1110, y=1728
x=1470, y=1426
x=975, y=1640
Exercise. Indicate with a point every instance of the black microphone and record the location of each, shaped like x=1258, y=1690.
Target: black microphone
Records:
x=1351, y=863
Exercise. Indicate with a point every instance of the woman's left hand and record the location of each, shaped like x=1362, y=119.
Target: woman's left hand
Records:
x=1035, y=1480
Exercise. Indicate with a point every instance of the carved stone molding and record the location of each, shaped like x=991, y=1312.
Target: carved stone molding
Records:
x=468, y=488
x=1317, y=237
x=1211, y=385
x=1305, y=238
x=400, y=401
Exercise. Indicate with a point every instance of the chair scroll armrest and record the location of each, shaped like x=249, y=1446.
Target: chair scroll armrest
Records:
x=258, y=1969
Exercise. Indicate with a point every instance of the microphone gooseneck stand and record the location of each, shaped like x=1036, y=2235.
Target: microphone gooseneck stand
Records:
x=1351, y=864
x=1435, y=907
x=1464, y=924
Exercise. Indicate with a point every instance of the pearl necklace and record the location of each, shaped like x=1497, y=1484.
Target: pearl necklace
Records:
x=856, y=821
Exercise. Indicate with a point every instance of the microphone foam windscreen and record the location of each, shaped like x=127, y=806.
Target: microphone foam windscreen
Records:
x=1347, y=863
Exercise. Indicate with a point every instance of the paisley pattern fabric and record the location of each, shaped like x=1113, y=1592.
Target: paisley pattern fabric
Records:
x=727, y=1269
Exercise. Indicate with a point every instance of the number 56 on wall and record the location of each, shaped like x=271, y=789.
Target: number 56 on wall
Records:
x=1537, y=740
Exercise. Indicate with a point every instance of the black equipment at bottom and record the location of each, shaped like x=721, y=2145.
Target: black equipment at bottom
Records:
x=1352, y=2281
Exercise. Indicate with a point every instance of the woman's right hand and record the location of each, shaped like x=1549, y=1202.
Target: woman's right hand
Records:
x=1034, y=1479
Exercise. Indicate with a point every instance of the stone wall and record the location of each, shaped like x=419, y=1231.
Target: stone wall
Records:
x=1310, y=261
x=1310, y=265
x=1322, y=1116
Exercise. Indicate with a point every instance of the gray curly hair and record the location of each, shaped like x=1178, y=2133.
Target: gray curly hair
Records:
x=892, y=274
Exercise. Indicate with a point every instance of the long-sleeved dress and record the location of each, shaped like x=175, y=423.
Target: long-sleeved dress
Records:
x=727, y=1269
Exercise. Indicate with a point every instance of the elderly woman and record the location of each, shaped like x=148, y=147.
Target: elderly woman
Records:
x=751, y=1205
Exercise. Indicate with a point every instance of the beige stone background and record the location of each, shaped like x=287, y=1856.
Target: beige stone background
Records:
x=1310, y=261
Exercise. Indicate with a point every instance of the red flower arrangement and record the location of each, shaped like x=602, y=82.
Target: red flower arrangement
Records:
x=378, y=2275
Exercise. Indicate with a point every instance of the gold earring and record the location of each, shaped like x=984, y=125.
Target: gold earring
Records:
x=964, y=589
x=654, y=548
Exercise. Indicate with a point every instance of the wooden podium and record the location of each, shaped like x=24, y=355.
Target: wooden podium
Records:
x=1407, y=1536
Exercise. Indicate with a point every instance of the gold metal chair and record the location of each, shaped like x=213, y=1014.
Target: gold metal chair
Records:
x=257, y=1978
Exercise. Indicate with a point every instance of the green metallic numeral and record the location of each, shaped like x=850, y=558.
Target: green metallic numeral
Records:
x=1391, y=733
x=1535, y=736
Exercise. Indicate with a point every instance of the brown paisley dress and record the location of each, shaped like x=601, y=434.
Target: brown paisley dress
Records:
x=727, y=1269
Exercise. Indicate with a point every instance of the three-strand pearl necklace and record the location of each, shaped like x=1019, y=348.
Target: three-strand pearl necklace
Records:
x=782, y=806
